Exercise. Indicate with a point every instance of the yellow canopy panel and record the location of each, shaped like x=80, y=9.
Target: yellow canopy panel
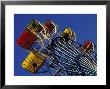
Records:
x=33, y=62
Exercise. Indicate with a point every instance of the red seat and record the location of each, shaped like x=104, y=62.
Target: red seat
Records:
x=88, y=45
x=49, y=26
x=27, y=39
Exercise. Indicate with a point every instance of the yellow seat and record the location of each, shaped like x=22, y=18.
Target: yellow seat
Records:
x=68, y=33
x=33, y=62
